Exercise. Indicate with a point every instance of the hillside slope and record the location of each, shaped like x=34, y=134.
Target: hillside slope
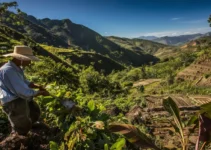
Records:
x=64, y=33
x=198, y=72
x=191, y=46
x=198, y=44
x=10, y=37
x=137, y=44
x=177, y=40
x=101, y=63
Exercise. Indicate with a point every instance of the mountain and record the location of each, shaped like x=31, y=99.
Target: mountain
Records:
x=198, y=44
x=207, y=34
x=148, y=37
x=10, y=38
x=192, y=46
x=64, y=33
x=177, y=40
x=141, y=45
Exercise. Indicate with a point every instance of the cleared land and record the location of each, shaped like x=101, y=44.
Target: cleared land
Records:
x=145, y=82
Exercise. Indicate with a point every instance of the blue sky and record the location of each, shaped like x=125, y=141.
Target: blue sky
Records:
x=127, y=18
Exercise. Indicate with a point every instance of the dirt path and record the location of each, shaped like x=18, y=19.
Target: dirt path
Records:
x=145, y=82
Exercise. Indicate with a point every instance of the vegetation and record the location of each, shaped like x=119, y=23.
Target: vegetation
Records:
x=138, y=44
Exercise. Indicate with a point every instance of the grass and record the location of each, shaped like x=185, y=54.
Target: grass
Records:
x=55, y=49
x=155, y=86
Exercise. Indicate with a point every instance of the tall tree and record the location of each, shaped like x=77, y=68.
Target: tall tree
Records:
x=5, y=6
x=209, y=20
x=16, y=19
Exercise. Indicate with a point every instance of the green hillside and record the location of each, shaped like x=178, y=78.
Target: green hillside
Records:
x=198, y=44
x=10, y=37
x=78, y=57
x=145, y=46
x=192, y=46
x=64, y=33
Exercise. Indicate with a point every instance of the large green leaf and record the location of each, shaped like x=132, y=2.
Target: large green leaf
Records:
x=192, y=120
x=53, y=145
x=206, y=110
x=47, y=99
x=133, y=135
x=91, y=105
x=120, y=143
x=171, y=107
x=106, y=147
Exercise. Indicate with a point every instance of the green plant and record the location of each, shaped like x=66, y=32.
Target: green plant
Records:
x=173, y=109
x=133, y=135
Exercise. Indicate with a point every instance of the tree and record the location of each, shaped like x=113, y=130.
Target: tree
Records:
x=209, y=20
x=16, y=19
x=5, y=6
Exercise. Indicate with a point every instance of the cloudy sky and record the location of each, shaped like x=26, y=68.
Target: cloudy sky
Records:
x=127, y=18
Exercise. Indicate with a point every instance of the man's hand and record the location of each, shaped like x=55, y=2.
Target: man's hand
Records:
x=42, y=88
x=42, y=92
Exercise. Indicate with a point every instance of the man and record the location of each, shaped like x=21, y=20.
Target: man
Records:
x=16, y=93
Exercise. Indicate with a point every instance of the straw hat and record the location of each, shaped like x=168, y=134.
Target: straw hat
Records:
x=22, y=53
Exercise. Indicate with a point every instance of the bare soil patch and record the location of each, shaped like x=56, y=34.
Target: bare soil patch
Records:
x=145, y=82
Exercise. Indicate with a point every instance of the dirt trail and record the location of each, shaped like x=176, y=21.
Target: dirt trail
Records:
x=145, y=82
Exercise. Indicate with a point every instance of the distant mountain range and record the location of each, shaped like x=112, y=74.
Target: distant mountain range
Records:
x=175, y=40
x=142, y=45
x=147, y=37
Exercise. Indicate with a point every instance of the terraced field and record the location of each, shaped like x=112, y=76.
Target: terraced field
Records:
x=158, y=120
x=196, y=71
x=55, y=49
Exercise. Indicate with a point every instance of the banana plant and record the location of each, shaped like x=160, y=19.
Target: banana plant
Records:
x=204, y=126
x=133, y=135
x=171, y=107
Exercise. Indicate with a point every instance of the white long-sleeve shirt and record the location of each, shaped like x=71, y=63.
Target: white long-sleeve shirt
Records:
x=13, y=84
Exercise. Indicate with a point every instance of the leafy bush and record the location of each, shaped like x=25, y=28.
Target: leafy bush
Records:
x=51, y=71
x=92, y=81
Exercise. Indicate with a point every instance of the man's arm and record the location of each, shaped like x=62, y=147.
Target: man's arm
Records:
x=42, y=90
x=44, y=93
x=19, y=87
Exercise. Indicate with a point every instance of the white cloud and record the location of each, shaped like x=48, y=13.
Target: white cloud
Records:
x=177, y=32
x=194, y=21
x=182, y=20
x=175, y=18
